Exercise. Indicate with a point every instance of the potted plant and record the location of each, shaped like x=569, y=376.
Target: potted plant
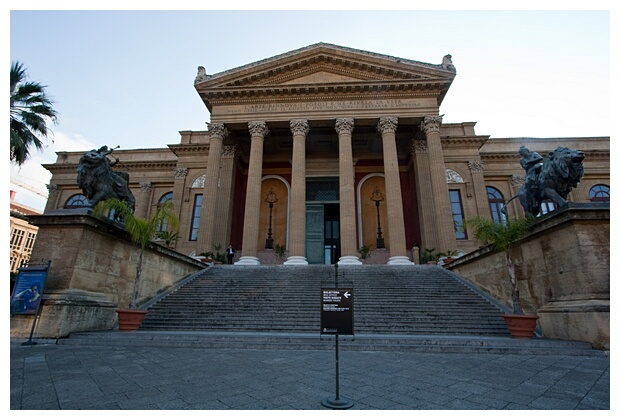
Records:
x=168, y=236
x=141, y=231
x=365, y=251
x=503, y=237
x=280, y=251
x=428, y=256
x=448, y=256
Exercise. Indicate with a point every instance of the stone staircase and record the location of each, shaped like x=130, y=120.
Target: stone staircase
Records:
x=396, y=308
x=420, y=300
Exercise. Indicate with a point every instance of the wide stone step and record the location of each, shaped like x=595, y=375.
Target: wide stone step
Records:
x=315, y=341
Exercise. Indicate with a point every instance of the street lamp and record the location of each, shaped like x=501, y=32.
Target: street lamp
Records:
x=377, y=197
x=271, y=199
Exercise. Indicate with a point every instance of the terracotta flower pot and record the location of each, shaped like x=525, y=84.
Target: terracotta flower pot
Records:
x=130, y=319
x=520, y=326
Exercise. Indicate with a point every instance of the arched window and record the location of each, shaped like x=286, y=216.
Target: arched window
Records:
x=599, y=194
x=163, y=227
x=496, y=204
x=77, y=201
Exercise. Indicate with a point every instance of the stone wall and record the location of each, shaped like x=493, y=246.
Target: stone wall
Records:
x=562, y=270
x=92, y=273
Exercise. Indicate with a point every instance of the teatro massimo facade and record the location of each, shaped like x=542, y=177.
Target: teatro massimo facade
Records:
x=323, y=150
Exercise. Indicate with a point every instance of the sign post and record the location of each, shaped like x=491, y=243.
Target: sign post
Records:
x=336, y=319
x=26, y=298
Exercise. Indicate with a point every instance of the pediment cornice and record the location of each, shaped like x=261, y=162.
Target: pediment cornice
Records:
x=322, y=68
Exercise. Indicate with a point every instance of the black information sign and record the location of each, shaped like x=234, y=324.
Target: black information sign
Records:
x=337, y=311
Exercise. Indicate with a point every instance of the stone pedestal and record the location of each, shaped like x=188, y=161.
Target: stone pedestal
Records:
x=92, y=273
x=562, y=272
x=66, y=311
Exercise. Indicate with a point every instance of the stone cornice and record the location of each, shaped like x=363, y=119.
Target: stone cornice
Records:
x=477, y=141
x=127, y=167
x=185, y=149
x=328, y=91
x=515, y=157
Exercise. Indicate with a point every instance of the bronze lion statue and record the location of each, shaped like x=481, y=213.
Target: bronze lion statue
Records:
x=99, y=182
x=551, y=178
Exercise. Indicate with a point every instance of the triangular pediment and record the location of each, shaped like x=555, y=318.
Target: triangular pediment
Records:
x=324, y=66
x=325, y=63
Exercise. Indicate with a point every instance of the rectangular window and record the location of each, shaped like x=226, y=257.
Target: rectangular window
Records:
x=193, y=235
x=457, y=214
x=547, y=206
x=29, y=242
x=17, y=238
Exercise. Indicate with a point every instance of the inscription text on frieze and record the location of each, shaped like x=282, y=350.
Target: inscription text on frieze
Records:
x=329, y=105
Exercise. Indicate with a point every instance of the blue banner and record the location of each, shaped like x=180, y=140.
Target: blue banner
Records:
x=28, y=289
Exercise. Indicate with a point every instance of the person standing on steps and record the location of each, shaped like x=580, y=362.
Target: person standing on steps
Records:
x=230, y=253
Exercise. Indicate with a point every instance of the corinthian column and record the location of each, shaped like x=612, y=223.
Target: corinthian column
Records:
x=217, y=132
x=348, y=250
x=446, y=239
x=393, y=196
x=297, y=245
x=258, y=130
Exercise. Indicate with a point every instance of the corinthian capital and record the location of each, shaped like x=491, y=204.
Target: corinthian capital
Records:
x=146, y=187
x=229, y=151
x=418, y=145
x=258, y=128
x=344, y=125
x=517, y=180
x=431, y=123
x=180, y=173
x=217, y=130
x=52, y=188
x=300, y=127
x=476, y=166
x=387, y=125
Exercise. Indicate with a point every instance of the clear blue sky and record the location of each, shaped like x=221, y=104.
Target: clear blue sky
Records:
x=126, y=77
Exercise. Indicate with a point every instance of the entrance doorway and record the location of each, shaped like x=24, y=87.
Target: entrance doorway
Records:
x=322, y=220
x=322, y=233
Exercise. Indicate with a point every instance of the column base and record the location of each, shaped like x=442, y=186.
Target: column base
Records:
x=248, y=261
x=349, y=260
x=399, y=261
x=295, y=261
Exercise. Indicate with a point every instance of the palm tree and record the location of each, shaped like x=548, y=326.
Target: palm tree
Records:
x=141, y=231
x=30, y=109
x=502, y=237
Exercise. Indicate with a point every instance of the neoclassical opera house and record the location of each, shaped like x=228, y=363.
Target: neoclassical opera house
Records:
x=325, y=149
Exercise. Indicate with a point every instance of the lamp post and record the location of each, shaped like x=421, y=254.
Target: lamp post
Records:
x=377, y=197
x=271, y=199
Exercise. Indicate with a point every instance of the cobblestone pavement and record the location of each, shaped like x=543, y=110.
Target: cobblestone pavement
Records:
x=72, y=377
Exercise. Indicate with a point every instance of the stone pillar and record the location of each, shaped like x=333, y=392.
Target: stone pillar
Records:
x=480, y=190
x=144, y=200
x=393, y=196
x=225, y=197
x=206, y=228
x=258, y=130
x=446, y=239
x=424, y=192
x=53, y=197
x=178, y=198
x=348, y=249
x=297, y=237
x=515, y=209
